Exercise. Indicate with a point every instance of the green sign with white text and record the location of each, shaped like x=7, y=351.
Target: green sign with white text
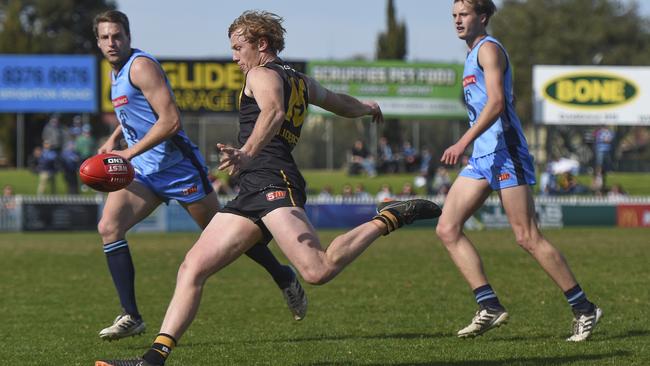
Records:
x=402, y=89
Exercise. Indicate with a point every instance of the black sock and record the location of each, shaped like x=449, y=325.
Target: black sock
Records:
x=578, y=300
x=486, y=298
x=261, y=254
x=121, y=267
x=160, y=349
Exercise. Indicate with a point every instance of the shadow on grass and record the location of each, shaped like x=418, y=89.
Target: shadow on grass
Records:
x=316, y=339
x=520, y=361
x=626, y=335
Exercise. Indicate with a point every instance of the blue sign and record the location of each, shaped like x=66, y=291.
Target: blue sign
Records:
x=48, y=83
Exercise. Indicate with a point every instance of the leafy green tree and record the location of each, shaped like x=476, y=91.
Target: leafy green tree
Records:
x=391, y=45
x=563, y=32
x=569, y=32
x=45, y=27
x=49, y=26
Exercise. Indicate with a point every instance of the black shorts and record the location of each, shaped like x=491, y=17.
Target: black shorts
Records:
x=254, y=202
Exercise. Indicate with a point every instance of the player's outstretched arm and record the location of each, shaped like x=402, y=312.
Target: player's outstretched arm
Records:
x=342, y=104
x=149, y=78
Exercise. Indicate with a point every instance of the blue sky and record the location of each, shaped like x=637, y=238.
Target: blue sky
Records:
x=330, y=29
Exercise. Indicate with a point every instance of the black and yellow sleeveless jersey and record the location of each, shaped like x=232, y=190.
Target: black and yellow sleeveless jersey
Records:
x=275, y=158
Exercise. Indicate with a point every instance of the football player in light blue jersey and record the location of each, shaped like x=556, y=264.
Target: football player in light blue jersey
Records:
x=167, y=164
x=500, y=162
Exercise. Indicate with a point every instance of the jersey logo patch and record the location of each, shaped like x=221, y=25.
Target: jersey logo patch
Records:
x=189, y=191
x=120, y=101
x=469, y=80
x=503, y=176
x=276, y=195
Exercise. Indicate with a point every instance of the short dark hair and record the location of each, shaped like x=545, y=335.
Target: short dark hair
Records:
x=256, y=24
x=112, y=16
x=486, y=7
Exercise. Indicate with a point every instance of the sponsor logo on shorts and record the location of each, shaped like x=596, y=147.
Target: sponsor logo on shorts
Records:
x=120, y=101
x=191, y=190
x=275, y=195
x=503, y=176
x=469, y=80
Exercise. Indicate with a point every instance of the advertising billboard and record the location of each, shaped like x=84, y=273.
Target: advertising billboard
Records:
x=48, y=83
x=591, y=95
x=200, y=86
x=402, y=89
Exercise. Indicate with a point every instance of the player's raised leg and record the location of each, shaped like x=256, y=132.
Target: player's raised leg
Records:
x=297, y=238
x=122, y=210
x=520, y=208
x=465, y=197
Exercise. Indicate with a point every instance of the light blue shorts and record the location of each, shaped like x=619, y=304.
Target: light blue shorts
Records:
x=509, y=167
x=185, y=182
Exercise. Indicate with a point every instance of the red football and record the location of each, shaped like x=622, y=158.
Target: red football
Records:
x=106, y=172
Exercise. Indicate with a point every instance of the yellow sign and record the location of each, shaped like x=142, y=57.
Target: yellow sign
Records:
x=199, y=86
x=590, y=90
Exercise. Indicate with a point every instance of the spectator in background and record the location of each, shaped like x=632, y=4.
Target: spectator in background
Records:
x=360, y=159
x=347, y=193
x=407, y=191
x=76, y=128
x=386, y=161
x=442, y=181
x=385, y=193
x=603, y=138
x=568, y=185
x=70, y=165
x=47, y=169
x=54, y=133
x=360, y=193
x=7, y=204
x=428, y=167
x=409, y=157
x=327, y=193
x=616, y=192
x=32, y=160
x=85, y=143
x=8, y=197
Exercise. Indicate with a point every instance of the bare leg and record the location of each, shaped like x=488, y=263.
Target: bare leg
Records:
x=202, y=212
x=297, y=238
x=465, y=197
x=215, y=249
x=520, y=209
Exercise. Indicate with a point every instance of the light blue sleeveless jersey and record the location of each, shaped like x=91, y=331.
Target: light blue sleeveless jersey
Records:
x=506, y=130
x=137, y=117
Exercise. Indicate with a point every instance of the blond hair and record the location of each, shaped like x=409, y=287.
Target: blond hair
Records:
x=257, y=24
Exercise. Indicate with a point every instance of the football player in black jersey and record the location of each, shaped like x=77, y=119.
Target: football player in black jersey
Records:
x=270, y=204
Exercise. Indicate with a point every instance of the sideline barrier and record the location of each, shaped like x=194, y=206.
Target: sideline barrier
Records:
x=63, y=213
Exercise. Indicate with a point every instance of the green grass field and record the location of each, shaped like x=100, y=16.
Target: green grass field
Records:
x=637, y=184
x=399, y=304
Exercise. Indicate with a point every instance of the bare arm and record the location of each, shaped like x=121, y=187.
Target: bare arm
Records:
x=149, y=78
x=111, y=142
x=342, y=104
x=493, y=61
x=266, y=87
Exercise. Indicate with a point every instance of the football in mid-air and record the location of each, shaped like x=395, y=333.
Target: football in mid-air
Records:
x=106, y=172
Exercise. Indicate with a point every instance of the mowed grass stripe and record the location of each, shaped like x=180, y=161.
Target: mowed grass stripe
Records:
x=399, y=304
